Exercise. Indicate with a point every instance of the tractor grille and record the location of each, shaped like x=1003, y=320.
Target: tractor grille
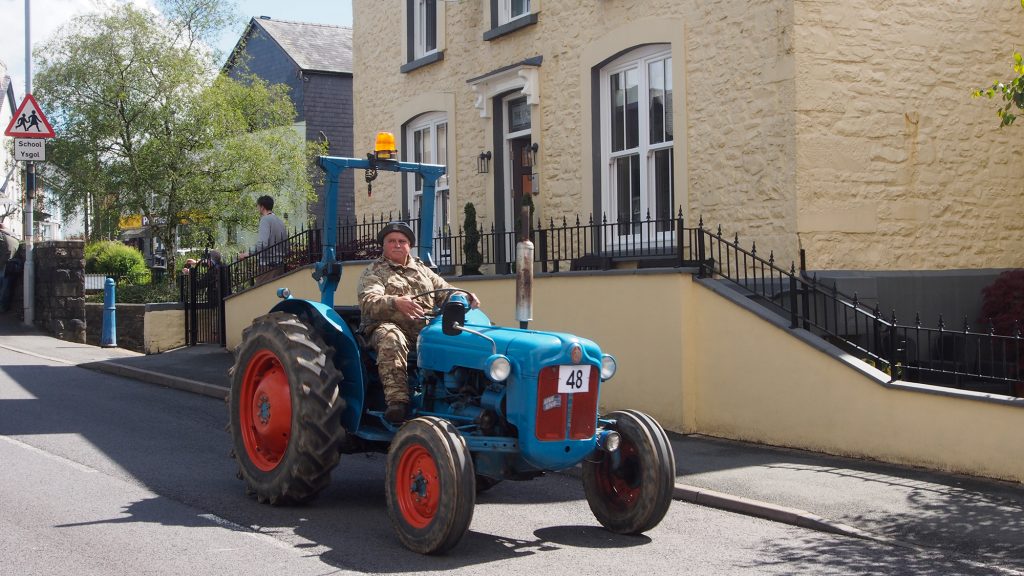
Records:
x=565, y=416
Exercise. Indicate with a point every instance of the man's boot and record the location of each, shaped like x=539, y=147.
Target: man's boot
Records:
x=396, y=412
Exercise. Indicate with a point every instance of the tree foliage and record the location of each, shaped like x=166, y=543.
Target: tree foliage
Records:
x=145, y=126
x=1011, y=92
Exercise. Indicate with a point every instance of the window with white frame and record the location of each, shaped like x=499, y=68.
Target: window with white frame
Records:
x=427, y=138
x=424, y=23
x=509, y=10
x=637, y=140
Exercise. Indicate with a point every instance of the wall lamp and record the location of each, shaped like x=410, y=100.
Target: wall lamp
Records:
x=534, y=174
x=483, y=162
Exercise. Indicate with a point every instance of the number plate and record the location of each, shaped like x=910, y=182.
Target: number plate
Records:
x=573, y=379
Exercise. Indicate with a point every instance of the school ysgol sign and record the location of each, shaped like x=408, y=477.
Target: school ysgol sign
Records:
x=29, y=121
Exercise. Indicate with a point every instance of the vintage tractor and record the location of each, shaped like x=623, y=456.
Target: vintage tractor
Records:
x=488, y=403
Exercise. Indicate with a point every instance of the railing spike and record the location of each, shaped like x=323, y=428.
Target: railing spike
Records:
x=648, y=214
x=942, y=323
x=771, y=257
x=991, y=326
x=565, y=223
x=1016, y=329
x=917, y=319
x=753, y=248
x=700, y=223
x=680, y=213
x=966, y=326
x=736, y=239
x=893, y=316
x=719, y=231
x=792, y=268
x=856, y=301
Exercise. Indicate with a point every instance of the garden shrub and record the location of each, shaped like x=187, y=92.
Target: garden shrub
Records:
x=120, y=261
x=1003, y=302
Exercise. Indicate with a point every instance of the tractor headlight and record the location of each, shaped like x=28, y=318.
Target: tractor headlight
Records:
x=498, y=367
x=284, y=293
x=608, y=367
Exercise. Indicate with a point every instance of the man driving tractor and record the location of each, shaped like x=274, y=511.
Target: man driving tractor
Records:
x=393, y=314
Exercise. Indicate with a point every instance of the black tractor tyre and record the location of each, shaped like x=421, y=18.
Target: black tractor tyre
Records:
x=285, y=410
x=430, y=485
x=629, y=493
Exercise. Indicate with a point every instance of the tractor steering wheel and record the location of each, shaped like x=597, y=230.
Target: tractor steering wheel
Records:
x=440, y=305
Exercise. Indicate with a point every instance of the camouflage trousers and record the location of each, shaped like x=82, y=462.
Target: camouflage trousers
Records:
x=392, y=346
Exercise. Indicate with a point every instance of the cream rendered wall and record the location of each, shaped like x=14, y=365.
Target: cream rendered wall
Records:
x=754, y=381
x=241, y=309
x=702, y=363
x=897, y=166
x=163, y=330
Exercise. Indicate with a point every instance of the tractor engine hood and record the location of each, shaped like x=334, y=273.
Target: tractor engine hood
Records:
x=528, y=350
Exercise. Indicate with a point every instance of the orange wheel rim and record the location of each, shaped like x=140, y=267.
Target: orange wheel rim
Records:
x=265, y=410
x=417, y=486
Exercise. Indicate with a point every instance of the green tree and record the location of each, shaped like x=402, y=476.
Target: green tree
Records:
x=146, y=126
x=1011, y=92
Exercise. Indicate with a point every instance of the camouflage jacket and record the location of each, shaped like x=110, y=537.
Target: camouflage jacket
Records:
x=383, y=281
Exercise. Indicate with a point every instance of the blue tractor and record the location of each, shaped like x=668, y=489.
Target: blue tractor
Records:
x=489, y=403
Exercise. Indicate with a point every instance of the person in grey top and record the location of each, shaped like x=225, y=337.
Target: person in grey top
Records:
x=272, y=232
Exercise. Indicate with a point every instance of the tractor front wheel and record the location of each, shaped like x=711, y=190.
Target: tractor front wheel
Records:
x=285, y=410
x=629, y=491
x=430, y=485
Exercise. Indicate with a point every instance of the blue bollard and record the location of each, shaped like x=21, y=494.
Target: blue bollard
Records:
x=108, y=339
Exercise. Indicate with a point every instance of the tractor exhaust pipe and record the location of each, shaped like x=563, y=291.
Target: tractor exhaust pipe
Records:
x=524, y=271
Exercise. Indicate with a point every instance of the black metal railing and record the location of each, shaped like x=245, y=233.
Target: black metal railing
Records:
x=959, y=358
x=301, y=248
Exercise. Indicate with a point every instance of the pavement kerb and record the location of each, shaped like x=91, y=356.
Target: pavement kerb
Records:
x=775, y=513
x=211, y=390
x=682, y=492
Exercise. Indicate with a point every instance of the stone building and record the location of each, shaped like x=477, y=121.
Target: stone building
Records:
x=846, y=130
x=315, y=62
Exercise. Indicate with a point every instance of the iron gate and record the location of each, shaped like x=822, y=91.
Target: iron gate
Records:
x=203, y=290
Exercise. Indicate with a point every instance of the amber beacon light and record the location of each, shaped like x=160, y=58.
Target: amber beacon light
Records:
x=384, y=147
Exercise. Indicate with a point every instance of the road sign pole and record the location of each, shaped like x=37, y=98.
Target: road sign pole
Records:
x=29, y=276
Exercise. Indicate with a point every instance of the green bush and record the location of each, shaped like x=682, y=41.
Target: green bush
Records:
x=118, y=260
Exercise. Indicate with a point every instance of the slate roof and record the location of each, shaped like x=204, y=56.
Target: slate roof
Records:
x=313, y=47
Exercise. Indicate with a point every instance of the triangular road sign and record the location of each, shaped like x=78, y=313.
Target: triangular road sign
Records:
x=29, y=121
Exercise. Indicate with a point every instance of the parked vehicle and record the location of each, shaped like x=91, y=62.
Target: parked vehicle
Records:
x=489, y=404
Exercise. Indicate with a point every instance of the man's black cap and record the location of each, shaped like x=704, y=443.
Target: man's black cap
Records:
x=396, y=226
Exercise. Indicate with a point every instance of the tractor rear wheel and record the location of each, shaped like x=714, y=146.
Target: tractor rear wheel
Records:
x=430, y=485
x=285, y=410
x=630, y=491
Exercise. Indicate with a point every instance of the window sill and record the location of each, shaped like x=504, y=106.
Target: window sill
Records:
x=511, y=27
x=421, y=62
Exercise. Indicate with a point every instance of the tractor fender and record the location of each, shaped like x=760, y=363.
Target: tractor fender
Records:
x=347, y=354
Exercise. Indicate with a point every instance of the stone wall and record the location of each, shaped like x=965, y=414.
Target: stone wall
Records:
x=897, y=166
x=146, y=328
x=60, y=289
x=846, y=129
